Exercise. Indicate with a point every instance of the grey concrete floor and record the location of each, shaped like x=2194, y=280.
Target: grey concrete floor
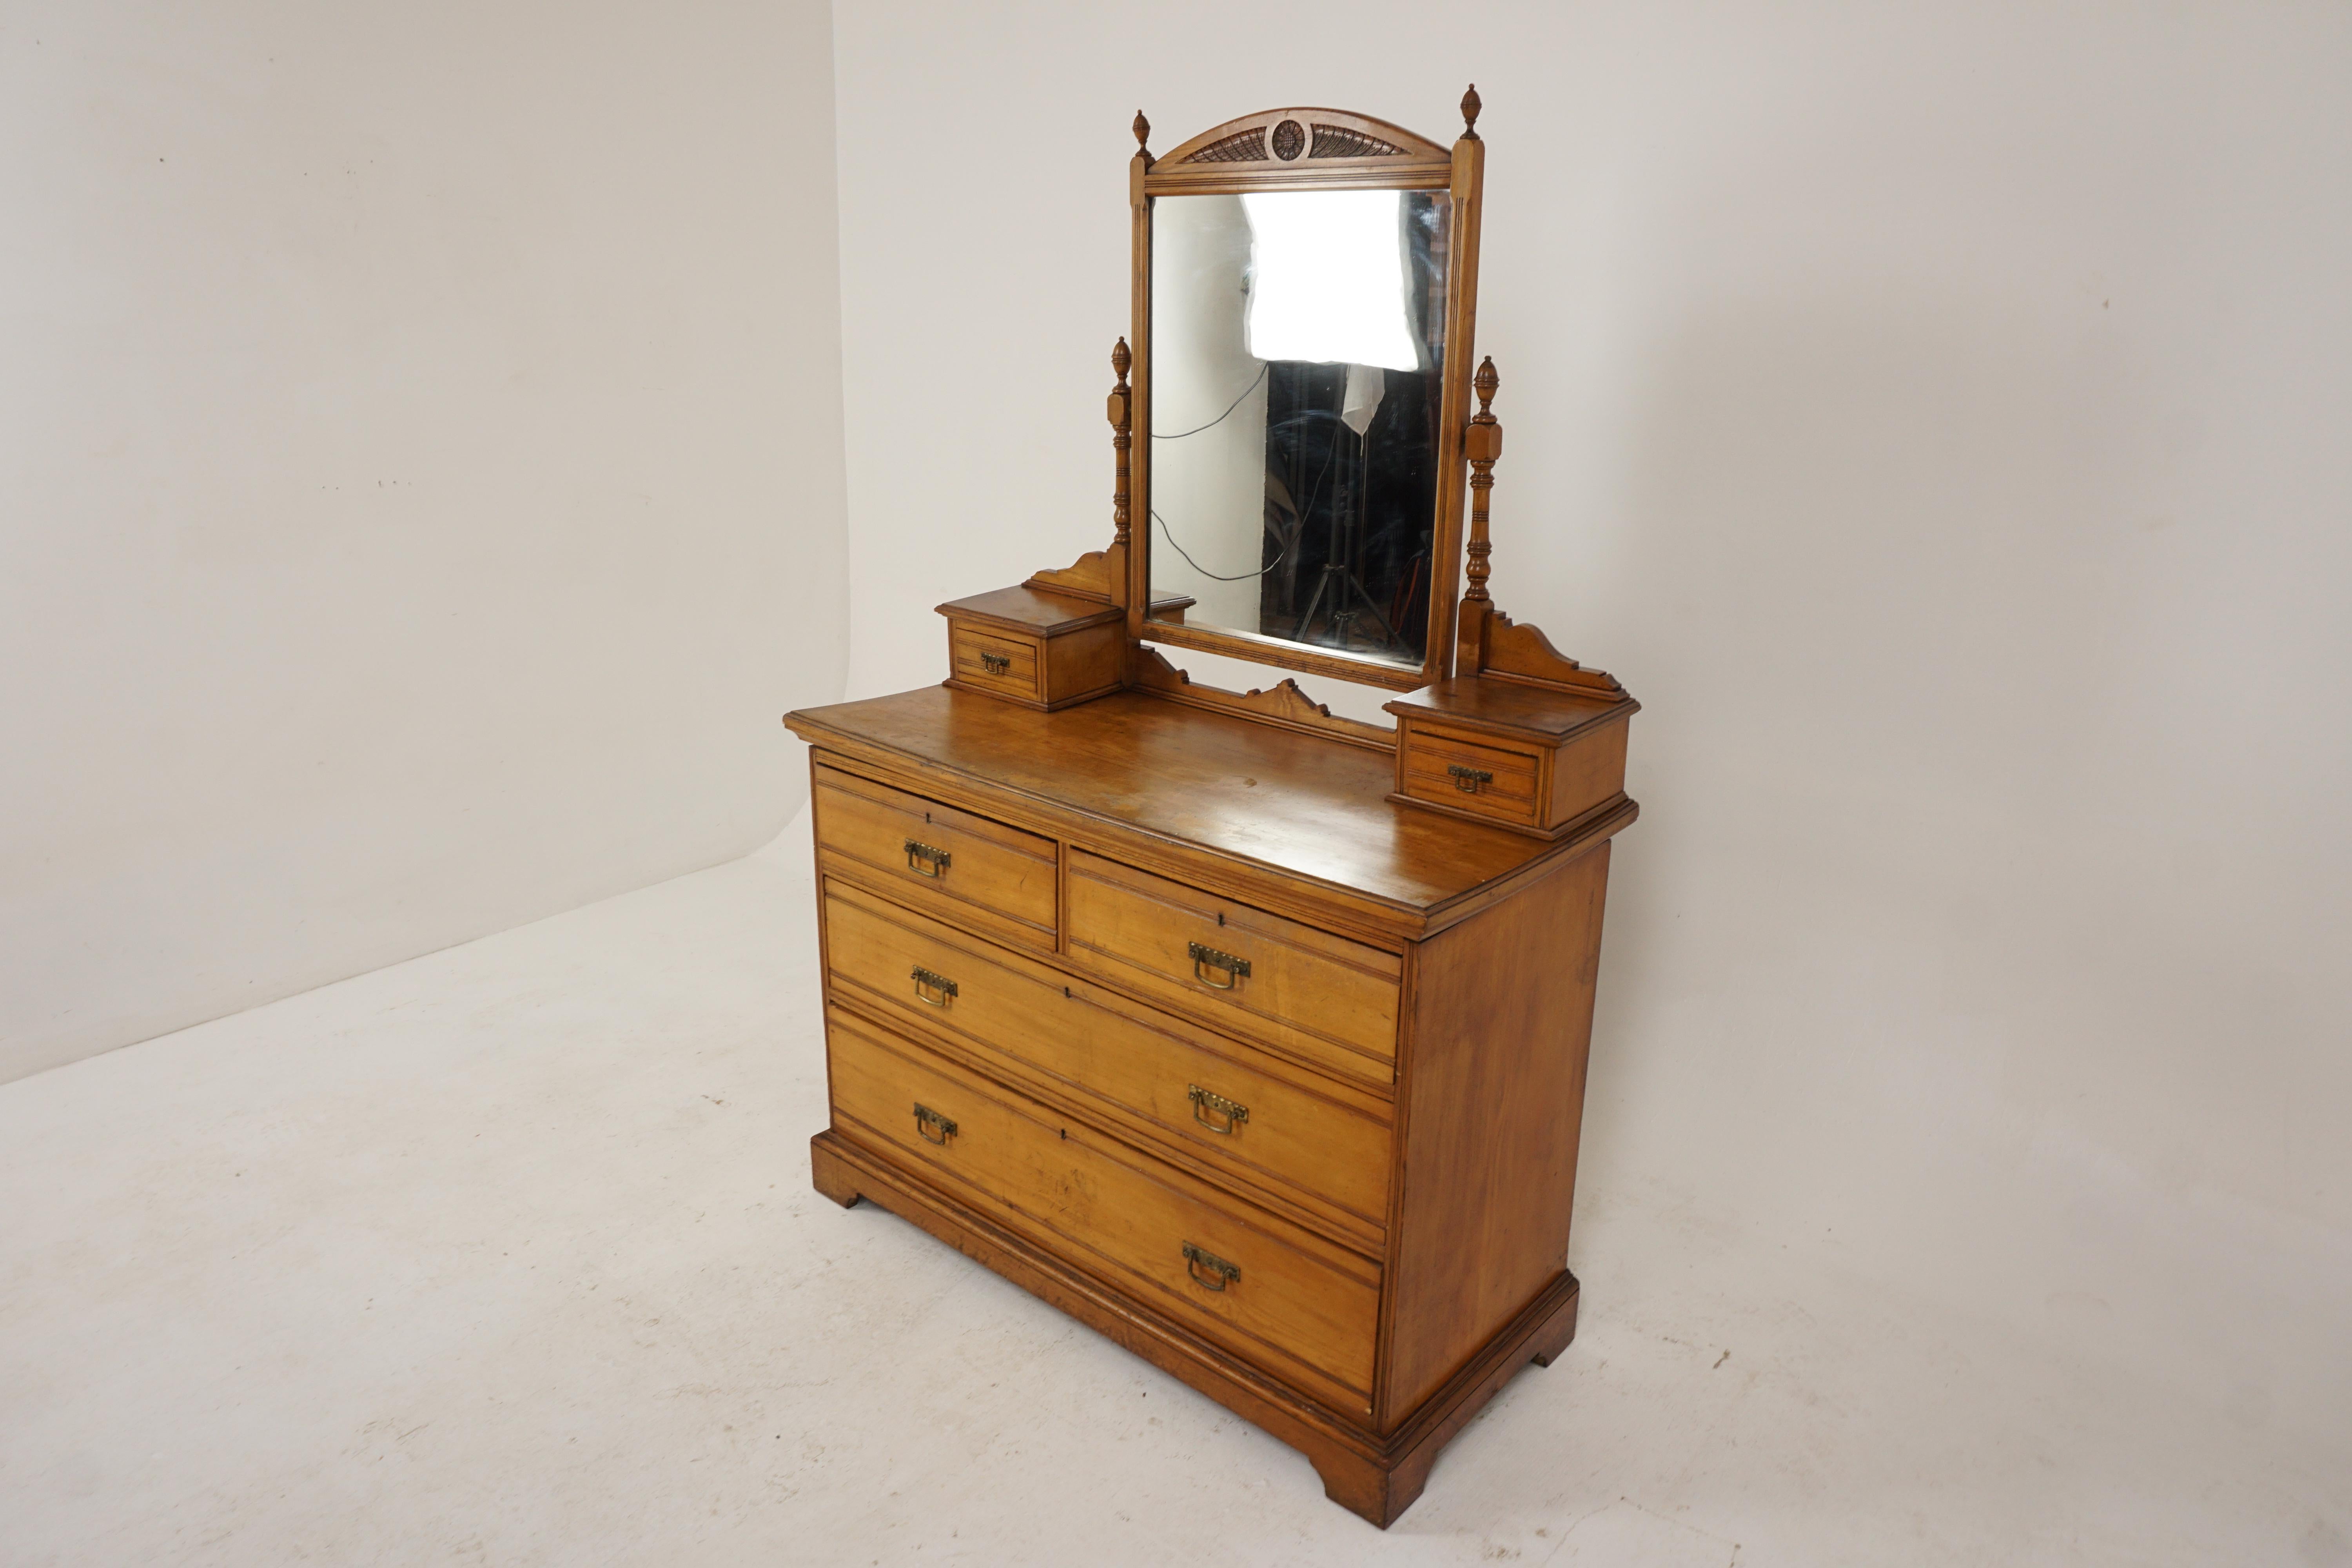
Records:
x=508, y=1255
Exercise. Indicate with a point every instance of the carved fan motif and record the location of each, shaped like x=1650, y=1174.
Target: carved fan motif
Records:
x=1288, y=140
x=1241, y=147
x=1340, y=141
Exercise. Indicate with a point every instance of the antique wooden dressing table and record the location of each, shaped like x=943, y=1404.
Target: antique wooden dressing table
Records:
x=1251, y=1037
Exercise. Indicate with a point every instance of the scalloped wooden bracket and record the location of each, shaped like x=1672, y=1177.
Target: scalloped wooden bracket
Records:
x=1493, y=647
x=1093, y=575
x=1486, y=645
x=1285, y=706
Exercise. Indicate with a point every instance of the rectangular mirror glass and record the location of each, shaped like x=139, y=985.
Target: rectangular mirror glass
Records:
x=1297, y=356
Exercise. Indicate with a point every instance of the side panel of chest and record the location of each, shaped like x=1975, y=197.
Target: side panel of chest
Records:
x=1491, y=1101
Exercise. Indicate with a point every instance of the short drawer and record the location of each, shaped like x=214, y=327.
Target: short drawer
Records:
x=996, y=663
x=1494, y=781
x=1272, y=1293
x=974, y=871
x=1281, y=1129
x=1319, y=997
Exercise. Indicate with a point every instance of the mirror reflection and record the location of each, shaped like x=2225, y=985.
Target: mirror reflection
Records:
x=1298, y=344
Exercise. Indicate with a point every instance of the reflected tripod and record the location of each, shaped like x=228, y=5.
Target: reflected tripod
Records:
x=1342, y=578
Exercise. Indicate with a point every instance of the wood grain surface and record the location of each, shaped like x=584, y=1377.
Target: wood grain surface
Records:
x=1300, y=1306
x=1302, y=1141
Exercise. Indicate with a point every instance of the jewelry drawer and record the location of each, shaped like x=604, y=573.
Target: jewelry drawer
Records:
x=980, y=873
x=1543, y=763
x=1454, y=770
x=1002, y=664
x=1034, y=646
x=1297, y=1305
x=1321, y=998
x=1304, y=1140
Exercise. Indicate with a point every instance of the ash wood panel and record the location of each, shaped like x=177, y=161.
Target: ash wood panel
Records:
x=999, y=878
x=1308, y=993
x=971, y=650
x=1084, y=664
x=1207, y=784
x=1493, y=1101
x=1588, y=770
x=1302, y=1137
x=1301, y=1306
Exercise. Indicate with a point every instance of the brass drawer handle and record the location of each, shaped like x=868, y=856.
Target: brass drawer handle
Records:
x=1207, y=958
x=996, y=663
x=936, y=989
x=1467, y=780
x=933, y=1127
x=925, y=861
x=1209, y=1271
x=1205, y=1105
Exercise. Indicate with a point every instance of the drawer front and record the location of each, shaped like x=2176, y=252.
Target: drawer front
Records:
x=1295, y=1304
x=1452, y=770
x=967, y=869
x=1322, y=999
x=995, y=663
x=1256, y=1121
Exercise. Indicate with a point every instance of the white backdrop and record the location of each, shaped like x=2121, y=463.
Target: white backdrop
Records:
x=420, y=480
x=1936, y=415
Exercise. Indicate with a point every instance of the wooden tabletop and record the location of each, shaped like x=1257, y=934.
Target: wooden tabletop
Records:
x=1300, y=804
x=1509, y=709
x=1027, y=609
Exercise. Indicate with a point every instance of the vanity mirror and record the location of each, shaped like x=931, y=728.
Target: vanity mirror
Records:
x=1251, y=1036
x=1306, y=282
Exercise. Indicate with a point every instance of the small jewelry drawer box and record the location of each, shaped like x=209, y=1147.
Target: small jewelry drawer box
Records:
x=1039, y=649
x=1533, y=760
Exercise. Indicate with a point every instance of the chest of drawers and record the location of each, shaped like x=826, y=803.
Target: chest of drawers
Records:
x=1189, y=1026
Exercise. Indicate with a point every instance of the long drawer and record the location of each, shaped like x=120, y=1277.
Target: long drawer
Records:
x=1258, y=1120
x=967, y=869
x=1302, y=1307
x=1305, y=990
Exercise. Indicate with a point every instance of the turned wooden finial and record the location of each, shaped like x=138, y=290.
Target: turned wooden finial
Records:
x=1482, y=444
x=1122, y=437
x=1470, y=108
x=1142, y=131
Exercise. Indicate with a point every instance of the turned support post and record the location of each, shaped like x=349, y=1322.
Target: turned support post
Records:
x=1482, y=442
x=1122, y=441
x=1482, y=446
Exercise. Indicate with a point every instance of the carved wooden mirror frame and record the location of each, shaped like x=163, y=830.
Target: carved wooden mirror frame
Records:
x=1339, y=150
